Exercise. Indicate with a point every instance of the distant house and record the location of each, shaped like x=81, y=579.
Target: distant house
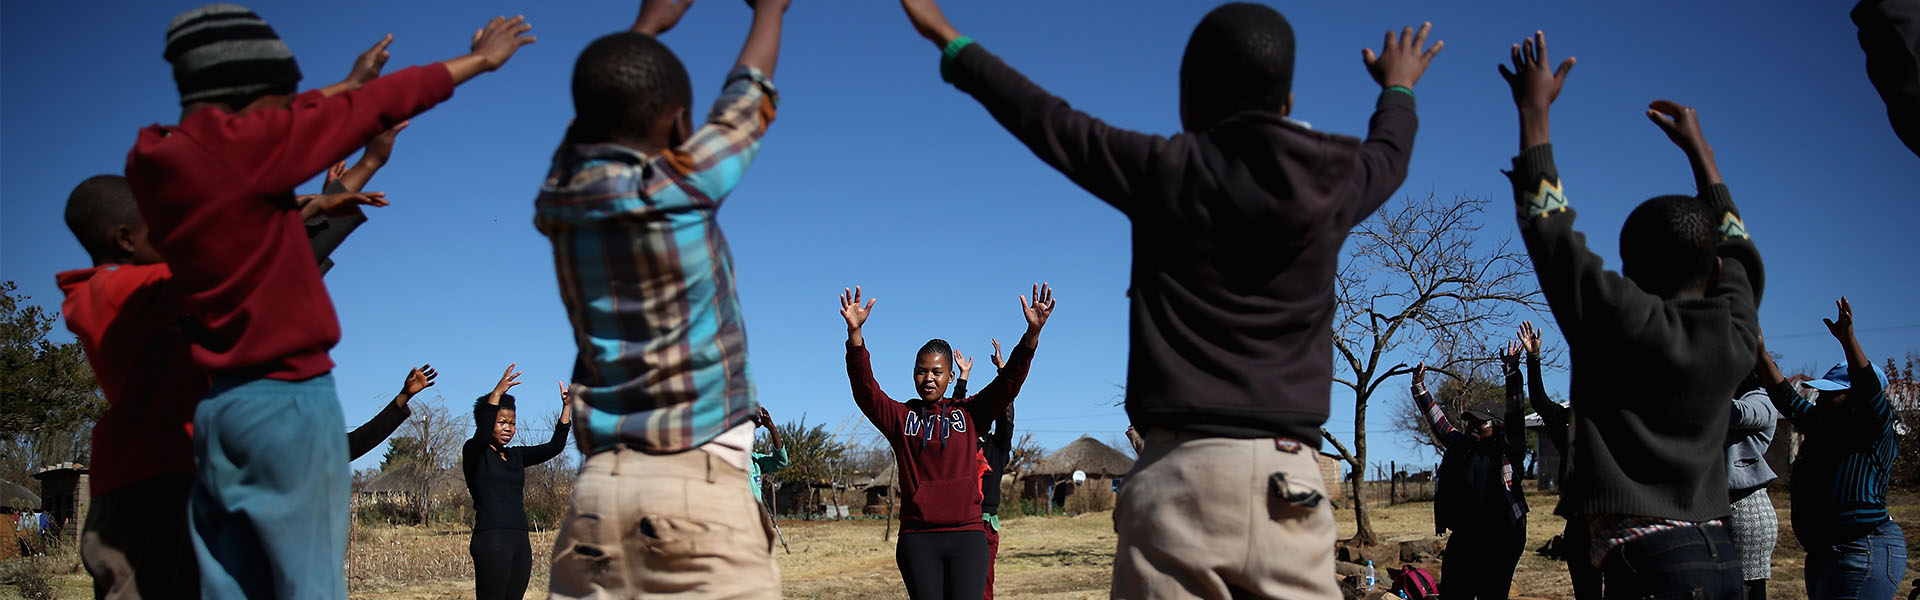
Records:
x=1051, y=478
x=64, y=496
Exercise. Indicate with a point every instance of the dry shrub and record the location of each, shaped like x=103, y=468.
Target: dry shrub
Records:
x=1089, y=497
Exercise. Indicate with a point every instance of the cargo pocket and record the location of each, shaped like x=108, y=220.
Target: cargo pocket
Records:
x=586, y=557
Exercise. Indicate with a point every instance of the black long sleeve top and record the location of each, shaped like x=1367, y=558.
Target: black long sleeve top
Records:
x=497, y=480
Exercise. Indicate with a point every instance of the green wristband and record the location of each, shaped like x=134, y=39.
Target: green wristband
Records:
x=1398, y=88
x=954, y=47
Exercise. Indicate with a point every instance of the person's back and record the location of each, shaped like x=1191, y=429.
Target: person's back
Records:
x=1237, y=227
x=661, y=377
x=1657, y=349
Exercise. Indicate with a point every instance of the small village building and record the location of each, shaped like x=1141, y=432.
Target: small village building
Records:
x=1052, y=478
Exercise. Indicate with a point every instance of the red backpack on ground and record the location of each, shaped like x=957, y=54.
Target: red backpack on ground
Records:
x=1415, y=583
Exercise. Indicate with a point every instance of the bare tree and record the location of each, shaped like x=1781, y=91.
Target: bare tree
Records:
x=1420, y=282
x=428, y=445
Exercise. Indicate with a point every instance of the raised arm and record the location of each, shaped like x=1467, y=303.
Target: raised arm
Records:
x=362, y=439
x=1866, y=394
x=882, y=411
x=1791, y=406
x=1113, y=164
x=1552, y=415
x=487, y=410
x=1443, y=430
x=533, y=455
x=1742, y=279
x=377, y=153
x=965, y=363
x=1516, y=406
x=328, y=128
x=999, y=393
x=1403, y=58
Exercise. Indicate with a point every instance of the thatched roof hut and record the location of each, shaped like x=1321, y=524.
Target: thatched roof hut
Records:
x=1085, y=454
x=18, y=497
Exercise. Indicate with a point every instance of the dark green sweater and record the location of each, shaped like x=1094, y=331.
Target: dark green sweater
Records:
x=1651, y=376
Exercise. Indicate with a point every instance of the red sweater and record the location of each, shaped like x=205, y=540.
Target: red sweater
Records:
x=935, y=444
x=128, y=319
x=217, y=190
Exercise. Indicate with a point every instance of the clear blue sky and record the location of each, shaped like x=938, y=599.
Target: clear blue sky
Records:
x=877, y=173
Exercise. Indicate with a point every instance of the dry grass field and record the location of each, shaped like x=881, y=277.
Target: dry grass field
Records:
x=1040, y=557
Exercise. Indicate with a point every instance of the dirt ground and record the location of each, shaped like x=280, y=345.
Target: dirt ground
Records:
x=1040, y=557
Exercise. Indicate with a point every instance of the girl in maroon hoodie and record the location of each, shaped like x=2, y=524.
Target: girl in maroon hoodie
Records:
x=942, y=551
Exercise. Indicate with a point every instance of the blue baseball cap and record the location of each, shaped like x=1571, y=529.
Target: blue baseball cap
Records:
x=1836, y=380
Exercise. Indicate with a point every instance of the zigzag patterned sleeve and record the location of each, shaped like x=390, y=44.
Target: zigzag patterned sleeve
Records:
x=1575, y=281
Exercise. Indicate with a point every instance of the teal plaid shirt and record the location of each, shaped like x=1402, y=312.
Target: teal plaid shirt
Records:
x=647, y=279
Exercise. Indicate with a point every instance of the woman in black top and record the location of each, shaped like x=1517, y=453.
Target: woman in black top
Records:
x=496, y=478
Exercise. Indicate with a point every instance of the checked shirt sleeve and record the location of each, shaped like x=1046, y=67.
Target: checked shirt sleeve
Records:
x=714, y=160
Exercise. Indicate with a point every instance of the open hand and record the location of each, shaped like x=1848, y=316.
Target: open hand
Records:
x=367, y=66
x=1510, y=357
x=508, y=379
x=1040, y=309
x=851, y=310
x=930, y=22
x=658, y=16
x=381, y=148
x=1680, y=123
x=1529, y=337
x=500, y=39
x=1534, y=87
x=337, y=171
x=418, y=379
x=997, y=361
x=1841, y=325
x=762, y=418
x=965, y=362
x=340, y=204
x=1420, y=374
x=1403, y=58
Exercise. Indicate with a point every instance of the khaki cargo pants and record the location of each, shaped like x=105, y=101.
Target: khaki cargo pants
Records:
x=1203, y=517
x=645, y=525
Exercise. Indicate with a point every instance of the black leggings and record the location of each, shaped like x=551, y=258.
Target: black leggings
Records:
x=950, y=565
x=502, y=563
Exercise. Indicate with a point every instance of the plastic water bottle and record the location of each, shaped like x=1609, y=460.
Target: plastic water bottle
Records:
x=1370, y=576
x=1400, y=593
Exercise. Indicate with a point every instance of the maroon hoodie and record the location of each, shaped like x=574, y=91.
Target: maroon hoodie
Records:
x=936, y=447
x=217, y=192
x=129, y=320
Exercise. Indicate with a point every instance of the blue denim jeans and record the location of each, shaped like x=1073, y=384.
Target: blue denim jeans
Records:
x=269, y=503
x=1868, y=567
x=1689, y=562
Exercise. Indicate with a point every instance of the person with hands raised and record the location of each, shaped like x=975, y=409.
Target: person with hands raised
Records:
x=942, y=550
x=770, y=462
x=497, y=480
x=658, y=376
x=1210, y=361
x=270, y=501
x=1478, y=493
x=362, y=439
x=1556, y=427
x=1839, y=483
x=1647, y=467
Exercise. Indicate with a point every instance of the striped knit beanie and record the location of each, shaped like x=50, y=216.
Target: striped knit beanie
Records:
x=225, y=52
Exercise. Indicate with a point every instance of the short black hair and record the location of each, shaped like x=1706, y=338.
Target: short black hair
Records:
x=479, y=404
x=623, y=82
x=96, y=208
x=1240, y=58
x=937, y=347
x=1667, y=245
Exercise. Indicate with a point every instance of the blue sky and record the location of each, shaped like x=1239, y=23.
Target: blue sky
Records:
x=879, y=174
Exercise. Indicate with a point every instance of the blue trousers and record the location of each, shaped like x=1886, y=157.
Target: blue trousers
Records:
x=269, y=504
x=1868, y=567
x=1696, y=562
